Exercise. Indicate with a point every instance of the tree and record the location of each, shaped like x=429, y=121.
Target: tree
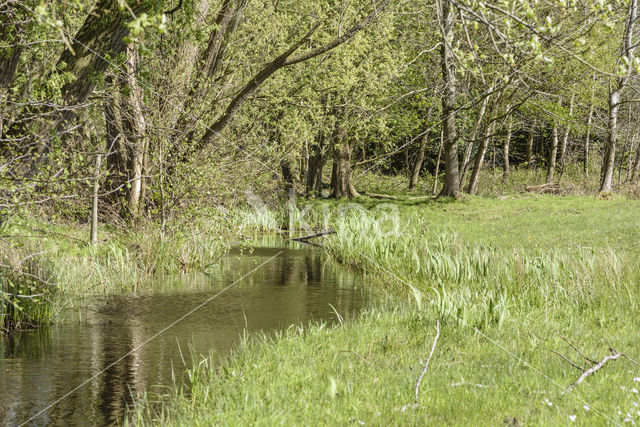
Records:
x=553, y=154
x=507, y=144
x=85, y=58
x=626, y=66
x=450, y=136
x=285, y=59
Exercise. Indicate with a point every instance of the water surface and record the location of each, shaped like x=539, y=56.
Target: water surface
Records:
x=39, y=367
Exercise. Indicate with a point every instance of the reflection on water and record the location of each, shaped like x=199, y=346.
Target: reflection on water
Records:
x=38, y=367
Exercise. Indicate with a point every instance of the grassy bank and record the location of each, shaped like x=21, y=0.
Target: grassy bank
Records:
x=508, y=280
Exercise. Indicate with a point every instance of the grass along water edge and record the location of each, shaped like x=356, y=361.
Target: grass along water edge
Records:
x=504, y=310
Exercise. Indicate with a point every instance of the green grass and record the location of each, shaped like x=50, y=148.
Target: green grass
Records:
x=491, y=182
x=367, y=370
x=544, y=222
x=119, y=262
x=505, y=278
x=534, y=222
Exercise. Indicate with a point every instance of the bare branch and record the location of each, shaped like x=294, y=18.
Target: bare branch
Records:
x=568, y=361
x=426, y=365
x=613, y=356
x=578, y=350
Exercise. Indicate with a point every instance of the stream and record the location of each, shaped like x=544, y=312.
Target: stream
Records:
x=38, y=367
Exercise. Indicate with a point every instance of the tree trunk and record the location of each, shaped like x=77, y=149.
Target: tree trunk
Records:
x=342, y=161
x=135, y=129
x=608, y=161
x=94, y=208
x=103, y=32
x=553, y=153
x=588, y=136
x=466, y=161
x=472, y=188
x=226, y=23
x=304, y=163
x=9, y=59
x=314, y=178
x=334, y=174
x=9, y=34
x=116, y=157
x=437, y=169
x=408, y=167
x=127, y=141
x=635, y=169
x=507, y=142
x=146, y=174
x=565, y=137
x=630, y=150
x=210, y=58
x=287, y=175
x=451, y=178
x=316, y=165
x=627, y=49
x=417, y=164
x=180, y=79
x=530, y=136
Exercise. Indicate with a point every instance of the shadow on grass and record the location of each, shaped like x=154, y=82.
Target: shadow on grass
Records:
x=400, y=201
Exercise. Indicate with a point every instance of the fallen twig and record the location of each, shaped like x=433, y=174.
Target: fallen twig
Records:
x=305, y=238
x=593, y=362
x=21, y=296
x=426, y=365
x=390, y=197
x=568, y=361
x=625, y=356
x=613, y=356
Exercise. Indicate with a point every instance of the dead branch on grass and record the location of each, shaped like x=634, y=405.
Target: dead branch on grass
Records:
x=613, y=356
x=426, y=365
